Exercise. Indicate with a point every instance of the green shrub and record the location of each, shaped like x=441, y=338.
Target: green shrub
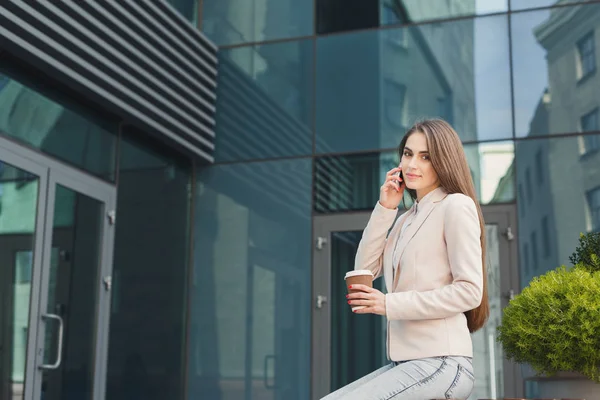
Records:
x=588, y=252
x=554, y=324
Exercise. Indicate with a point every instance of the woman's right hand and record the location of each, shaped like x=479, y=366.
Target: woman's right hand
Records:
x=392, y=189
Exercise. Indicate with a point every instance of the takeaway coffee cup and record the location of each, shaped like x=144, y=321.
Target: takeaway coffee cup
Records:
x=356, y=277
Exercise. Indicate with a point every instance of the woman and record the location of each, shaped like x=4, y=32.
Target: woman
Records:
x=433, y=263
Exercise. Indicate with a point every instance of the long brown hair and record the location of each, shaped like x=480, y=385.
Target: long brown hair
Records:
x=450, y=163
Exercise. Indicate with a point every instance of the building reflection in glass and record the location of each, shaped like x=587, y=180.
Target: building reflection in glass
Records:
x=556, y=86
x=228, y=22
x=250, y=325
x=265, y=101
x=558, y=180
x=372, y=85
x=351, y=183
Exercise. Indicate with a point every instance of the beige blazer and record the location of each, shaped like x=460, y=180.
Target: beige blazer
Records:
x=439, y=276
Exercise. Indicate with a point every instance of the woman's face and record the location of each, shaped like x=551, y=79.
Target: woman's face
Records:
x=416, y=165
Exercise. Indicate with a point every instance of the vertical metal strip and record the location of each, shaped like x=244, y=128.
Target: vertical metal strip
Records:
x=44, y=279
x=31, y=372
x=105, y=297
x=187, y=354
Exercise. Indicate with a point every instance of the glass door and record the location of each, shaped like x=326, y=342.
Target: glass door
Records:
x=60, y=278
x=23, y=187
x=337, y=360
x=75, y=285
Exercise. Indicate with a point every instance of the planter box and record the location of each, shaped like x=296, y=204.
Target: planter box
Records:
x=567, y=385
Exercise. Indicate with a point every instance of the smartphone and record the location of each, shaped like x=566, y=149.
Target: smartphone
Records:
x=401, y=177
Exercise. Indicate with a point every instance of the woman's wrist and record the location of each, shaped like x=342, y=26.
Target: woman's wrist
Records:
x=389, y=207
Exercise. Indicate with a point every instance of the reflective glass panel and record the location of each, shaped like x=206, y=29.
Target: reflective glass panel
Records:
x=555, y=210
x=357, y=345
x=344, y=183
x=229, y=22
x=412, y=11
x=265, y=101
x=250, y=302
x=18, y=209
x=146, y=355
x=187, y=8
x=555, y=79
x=72, y=295
x=86, y=141
x=488, y=355
x=372, y=86
x=346, y=15
x=524, y=4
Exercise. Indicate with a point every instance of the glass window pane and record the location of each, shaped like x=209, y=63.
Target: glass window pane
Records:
x=534, y=250
x=592, y=143
x=488, y=354
x=187, y=8
x=373, y=85
x=19, y=192
x=350, y=356
x=546, y=236
x=586, y=55
x=146, y=356
x=250, y=299
x=589, y=122
x=493, y=171
x=593, y=197
x=563, y=207
x=86, y=141
x=74, y=275
x=554, y=82
x=524, y=4
x=228, y=22
x=346, y=15
x=539, y=168
x=412, y=11
x=265, y=101
x=344, y=183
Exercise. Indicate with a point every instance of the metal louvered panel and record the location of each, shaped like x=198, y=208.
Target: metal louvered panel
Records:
x=138, y=58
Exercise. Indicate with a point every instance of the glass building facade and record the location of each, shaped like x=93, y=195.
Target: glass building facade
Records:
x=158, y=275
x=146, y=354
x=97, y=175
x=313, y=98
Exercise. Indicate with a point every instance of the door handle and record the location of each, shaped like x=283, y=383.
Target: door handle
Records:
x=321, y=300
x=61, y=325
x=509, y=295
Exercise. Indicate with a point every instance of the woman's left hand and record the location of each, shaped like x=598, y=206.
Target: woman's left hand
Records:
x=373, y=299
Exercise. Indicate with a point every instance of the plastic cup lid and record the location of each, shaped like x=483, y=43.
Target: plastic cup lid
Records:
x=358, y=272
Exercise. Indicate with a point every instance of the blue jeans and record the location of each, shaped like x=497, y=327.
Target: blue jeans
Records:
x=425, y=378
